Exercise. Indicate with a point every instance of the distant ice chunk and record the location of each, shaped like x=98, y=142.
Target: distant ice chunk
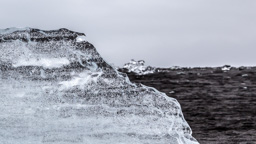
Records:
x=226, y=68
x=172, y=92
x=138, y=67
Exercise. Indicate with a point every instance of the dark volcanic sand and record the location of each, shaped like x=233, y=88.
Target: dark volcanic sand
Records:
x=219, y=106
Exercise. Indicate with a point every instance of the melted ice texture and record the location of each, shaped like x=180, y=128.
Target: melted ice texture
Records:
x=56, y=89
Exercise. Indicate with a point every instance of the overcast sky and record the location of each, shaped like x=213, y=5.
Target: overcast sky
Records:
x=161, y=32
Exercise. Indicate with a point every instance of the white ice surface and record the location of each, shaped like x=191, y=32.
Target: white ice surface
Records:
x=138, y=67
x=44, y=62
x=80, y=39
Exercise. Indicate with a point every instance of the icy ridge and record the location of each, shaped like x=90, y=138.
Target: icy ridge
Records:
x=56, y=88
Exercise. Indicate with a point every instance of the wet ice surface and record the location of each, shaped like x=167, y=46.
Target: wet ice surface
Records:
x=56, y=89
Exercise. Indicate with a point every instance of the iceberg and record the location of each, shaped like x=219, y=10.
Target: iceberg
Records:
x=138, y=67
x=55, y=88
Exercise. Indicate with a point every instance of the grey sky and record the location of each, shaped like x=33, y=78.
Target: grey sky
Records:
x=162, y=32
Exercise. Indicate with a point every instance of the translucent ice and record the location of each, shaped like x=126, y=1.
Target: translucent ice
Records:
x=56, y=89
